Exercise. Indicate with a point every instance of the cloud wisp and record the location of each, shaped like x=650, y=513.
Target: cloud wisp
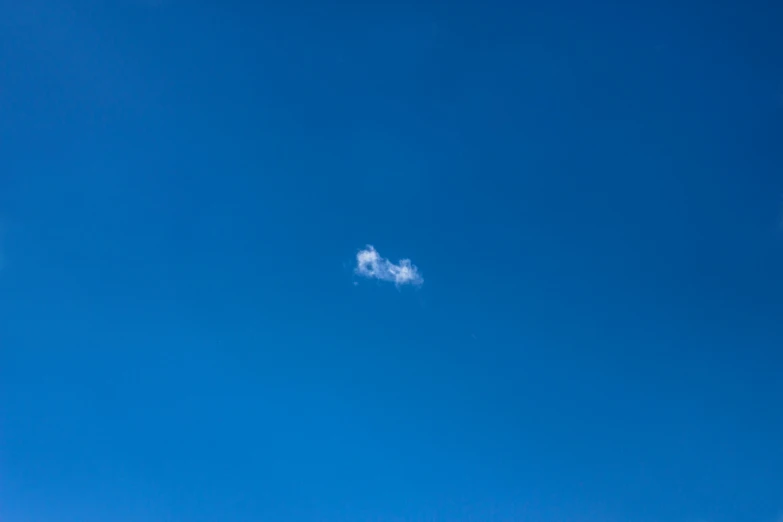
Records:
x=371, y=265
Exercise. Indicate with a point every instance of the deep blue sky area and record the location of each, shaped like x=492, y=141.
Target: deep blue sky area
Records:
x=592, y=193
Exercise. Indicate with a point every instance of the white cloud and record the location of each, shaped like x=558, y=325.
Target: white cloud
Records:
x=369, y=263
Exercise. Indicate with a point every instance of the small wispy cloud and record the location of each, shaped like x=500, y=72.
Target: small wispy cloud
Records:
x=370, y=264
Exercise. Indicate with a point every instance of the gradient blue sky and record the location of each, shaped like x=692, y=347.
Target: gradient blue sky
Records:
x=592, y=192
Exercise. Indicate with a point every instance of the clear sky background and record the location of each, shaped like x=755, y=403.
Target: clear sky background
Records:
x=592, y=195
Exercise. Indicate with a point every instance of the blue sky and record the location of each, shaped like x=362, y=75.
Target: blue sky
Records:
x=588, y=327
